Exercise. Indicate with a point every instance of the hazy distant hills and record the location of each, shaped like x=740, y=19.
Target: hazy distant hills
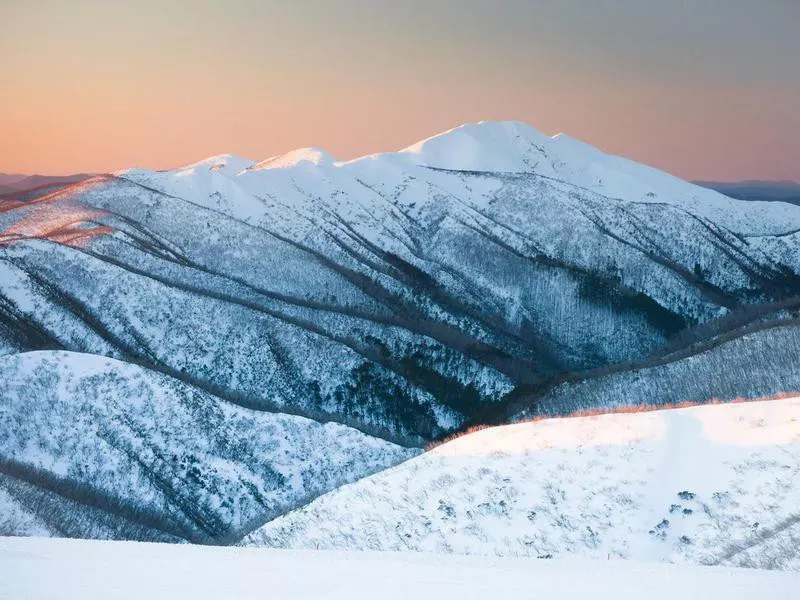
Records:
x=10, y=178
x=15, y=183
x=479, y=276
x=784, y=191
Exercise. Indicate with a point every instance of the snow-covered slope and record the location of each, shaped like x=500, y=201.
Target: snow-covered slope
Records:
x=85, y=570
x=717, y=484
x=93, y=447
x=759, y=361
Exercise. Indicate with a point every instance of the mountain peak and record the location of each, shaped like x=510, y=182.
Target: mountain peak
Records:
x=574, y=146
x=226, y=164
x=312, y=155
x=498, y=146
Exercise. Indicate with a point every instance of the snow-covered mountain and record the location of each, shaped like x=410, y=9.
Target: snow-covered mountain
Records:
x=717, y=484
x=473, y=277
x=440, y=277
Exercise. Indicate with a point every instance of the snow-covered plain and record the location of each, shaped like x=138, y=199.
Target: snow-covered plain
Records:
x=717, y=484
x=40, y=569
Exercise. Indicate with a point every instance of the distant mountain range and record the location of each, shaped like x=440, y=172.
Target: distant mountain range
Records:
x=192, y=353
x=10, y=184
x=784, y=191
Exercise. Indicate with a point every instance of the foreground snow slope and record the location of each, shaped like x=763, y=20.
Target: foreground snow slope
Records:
x=83, y=570
x=715, y=484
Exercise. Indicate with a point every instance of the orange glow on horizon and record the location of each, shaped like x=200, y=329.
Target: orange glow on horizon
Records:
x=97, y=87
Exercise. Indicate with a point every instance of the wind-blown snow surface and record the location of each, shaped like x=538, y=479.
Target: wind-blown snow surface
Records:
x=37, y=569
x=93, y=447
x=717, y=484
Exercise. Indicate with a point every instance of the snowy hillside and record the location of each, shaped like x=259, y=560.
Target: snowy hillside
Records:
x=742, y=365
x=37, y=569
x=716, y=484
x=93, y=447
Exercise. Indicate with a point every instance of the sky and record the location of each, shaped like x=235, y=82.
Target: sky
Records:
x=705, y=89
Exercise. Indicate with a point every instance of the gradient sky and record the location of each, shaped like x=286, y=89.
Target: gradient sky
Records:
x=702, y=88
